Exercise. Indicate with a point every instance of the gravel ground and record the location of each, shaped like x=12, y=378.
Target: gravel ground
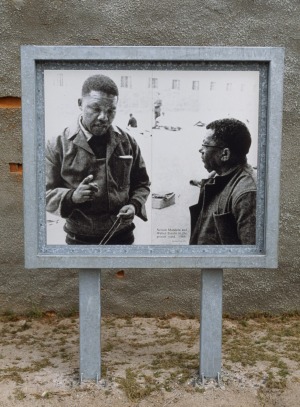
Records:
x=149, y=362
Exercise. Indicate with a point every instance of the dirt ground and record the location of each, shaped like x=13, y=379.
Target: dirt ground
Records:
x=149, y=362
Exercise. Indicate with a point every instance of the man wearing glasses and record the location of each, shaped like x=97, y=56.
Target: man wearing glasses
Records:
x=226, y=211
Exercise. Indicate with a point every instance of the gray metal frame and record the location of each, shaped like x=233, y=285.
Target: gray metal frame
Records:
x=263, y=255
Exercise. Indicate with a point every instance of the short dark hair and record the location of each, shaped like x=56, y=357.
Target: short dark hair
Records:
x=100, y=83
x=232, y=133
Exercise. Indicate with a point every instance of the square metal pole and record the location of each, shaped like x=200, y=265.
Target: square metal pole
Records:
x=211, y=323
x=90, y=324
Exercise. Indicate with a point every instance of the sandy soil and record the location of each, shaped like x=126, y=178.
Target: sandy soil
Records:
x=149, y=362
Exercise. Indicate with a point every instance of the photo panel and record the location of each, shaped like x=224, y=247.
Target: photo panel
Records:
x=172, y=109
x=142, y=174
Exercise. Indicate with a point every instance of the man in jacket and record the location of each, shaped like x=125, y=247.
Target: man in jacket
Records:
x=95, y=174
x=226, y=211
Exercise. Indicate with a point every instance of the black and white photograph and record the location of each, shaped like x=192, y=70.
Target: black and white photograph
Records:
x=151, y=157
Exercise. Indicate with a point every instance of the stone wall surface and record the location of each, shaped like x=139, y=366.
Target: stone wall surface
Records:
x=140, y=22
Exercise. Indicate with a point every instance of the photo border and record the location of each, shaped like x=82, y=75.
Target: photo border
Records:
x=262, y=255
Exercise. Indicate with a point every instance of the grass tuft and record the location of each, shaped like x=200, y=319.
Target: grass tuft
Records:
x=133, y=389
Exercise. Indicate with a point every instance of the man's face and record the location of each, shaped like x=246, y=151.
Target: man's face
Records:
x=211, y=153
x=98, y=111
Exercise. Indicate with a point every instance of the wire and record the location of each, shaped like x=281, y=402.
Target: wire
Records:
x=111, y=232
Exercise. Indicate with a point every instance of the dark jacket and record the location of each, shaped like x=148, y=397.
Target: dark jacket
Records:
x=226, y=211
x=69, y=159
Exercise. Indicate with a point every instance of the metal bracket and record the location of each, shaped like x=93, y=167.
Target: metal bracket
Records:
x=202, y=379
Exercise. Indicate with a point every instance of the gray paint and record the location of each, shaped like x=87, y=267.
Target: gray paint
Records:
x=273, y=23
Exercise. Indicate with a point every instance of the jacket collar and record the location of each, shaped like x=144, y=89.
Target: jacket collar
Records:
x=79, y=138
x=223, y=179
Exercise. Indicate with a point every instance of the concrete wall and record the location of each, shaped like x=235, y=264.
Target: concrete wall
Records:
x=133, y=22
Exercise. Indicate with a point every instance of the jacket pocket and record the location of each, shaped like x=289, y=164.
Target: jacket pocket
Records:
x=226, y=228
x=121, y=169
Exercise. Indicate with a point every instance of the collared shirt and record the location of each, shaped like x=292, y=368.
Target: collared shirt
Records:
x=86, y=133
x=89, y=135
x=97, y=143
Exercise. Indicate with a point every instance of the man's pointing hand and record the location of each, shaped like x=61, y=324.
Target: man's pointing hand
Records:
x=85, y=191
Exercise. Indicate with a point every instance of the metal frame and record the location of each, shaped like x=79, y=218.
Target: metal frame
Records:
x=263, y=255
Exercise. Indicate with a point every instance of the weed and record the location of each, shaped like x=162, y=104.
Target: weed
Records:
x=108, y=347
x=62, y=341
x=132, y=388
x=128, y=320
x=175, y=333
x=110, y=322
x=274, y=383
x=35, y=367
x=163, y=324
x=35, y=312
x=12, y=375
x=63, y=329
x=44, y=395
x=104, y=370
x=169, y=360
x=9, y=315
x=71, y=313
x=199, y=389
x=19, y=394
x=167, y=385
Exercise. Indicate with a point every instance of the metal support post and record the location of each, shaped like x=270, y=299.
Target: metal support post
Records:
x=90, y=324
x=211, y=323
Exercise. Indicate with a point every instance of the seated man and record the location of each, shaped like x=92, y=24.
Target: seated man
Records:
x=132, y=121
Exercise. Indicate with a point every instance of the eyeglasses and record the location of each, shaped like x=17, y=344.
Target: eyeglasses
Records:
x=207, y=145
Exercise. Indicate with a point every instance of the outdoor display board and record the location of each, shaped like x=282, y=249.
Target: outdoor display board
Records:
x=168, y=108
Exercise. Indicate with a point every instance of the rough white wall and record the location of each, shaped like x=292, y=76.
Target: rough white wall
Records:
x=134, y=22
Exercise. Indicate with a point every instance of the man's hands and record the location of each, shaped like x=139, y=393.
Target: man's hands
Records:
x=126, y=214
x=85, y=191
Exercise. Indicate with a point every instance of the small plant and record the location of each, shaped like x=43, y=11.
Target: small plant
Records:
x=107, y=347
x=35, y=312
x=128, y=320
x=19, y=394
x=11, y=374
x=273, y=382
x=9, y=315
x=134, y=390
